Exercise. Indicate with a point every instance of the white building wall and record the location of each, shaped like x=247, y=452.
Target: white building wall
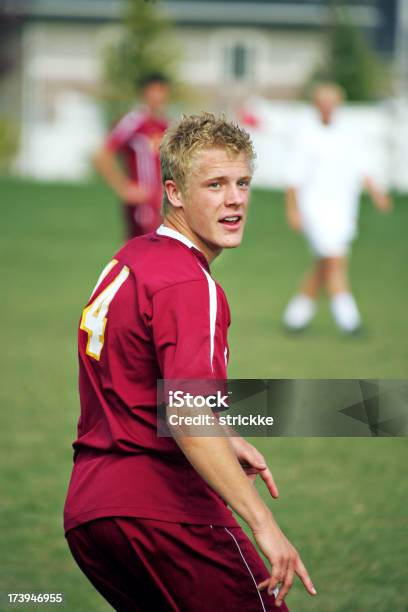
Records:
x=292, y=59
x=62, y=124
x=281, y=59
x=199, y=64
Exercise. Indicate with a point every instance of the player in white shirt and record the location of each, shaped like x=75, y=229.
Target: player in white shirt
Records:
x=322, y=200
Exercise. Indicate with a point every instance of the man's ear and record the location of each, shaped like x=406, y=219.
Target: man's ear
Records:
x=174, y=194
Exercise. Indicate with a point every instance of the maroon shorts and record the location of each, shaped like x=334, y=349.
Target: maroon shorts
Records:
x=156, y=566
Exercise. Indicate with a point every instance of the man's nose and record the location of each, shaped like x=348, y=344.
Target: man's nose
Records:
x=234, y=196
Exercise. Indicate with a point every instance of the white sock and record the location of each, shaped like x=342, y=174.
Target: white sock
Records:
x=345, y=312
x=299, y=312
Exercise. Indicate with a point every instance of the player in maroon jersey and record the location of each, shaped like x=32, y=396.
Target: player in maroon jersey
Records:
x=135, y=140
x=147, y=518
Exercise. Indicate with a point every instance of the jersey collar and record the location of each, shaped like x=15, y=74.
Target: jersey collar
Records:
x=171, y=233
x=163, y=230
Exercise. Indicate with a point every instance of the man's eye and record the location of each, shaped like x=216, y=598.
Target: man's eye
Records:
x=215, y=184
x=244, y=183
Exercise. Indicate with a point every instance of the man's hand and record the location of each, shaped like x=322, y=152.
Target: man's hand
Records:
x=383, y=202
x=284, y=559
x=294, y=219
x=380, y=198
x=134, y=193
x=253, y=463
x=129, y=192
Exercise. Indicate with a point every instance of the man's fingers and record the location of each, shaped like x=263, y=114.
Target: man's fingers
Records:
x=254, y=458
x=286, y=586
x=287, y=575
x=305, y=578
x=267, y=477
x=260, y=461
x=263, y=585
x=278, y=575
x=274, y=579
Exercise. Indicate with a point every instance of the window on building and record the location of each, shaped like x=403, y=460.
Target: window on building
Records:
x=239, y=61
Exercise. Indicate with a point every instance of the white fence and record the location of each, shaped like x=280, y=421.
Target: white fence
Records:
x=62, y=149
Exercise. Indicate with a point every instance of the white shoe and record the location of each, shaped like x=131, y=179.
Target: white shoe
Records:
x=345, y=312
x=299, y=312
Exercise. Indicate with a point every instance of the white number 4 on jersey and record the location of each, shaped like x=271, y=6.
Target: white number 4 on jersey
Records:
x=94, y=316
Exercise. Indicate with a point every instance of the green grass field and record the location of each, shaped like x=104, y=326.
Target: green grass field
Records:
x=343, y=501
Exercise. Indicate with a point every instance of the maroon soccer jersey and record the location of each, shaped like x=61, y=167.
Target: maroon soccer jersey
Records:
x=137, y=137
x=155, y=313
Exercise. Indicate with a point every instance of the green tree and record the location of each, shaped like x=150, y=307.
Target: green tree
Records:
x=146, y=45
x=350, y=60
x=9, y=143
x=9, y=132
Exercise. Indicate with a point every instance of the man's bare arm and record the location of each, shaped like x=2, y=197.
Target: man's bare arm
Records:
x=215, y=460
x=292, y=210
x=128, y=191
x=380, y=198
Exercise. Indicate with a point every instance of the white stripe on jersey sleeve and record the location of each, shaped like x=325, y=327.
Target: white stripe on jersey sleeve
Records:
x=149, y=160
x=141, y=147
x=127, y=125
x=212, y=290
x=135, y=146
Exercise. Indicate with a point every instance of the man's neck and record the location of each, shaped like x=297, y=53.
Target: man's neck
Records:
x=327, y=120
x=155, y=112
x=178, y=223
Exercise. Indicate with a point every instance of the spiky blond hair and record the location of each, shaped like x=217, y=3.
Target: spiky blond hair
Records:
x=192, y=134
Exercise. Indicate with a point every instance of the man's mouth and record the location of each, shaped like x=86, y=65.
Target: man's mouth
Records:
x=232, y=221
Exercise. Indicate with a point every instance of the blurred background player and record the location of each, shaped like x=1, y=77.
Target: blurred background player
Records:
x=326, y=177
x=135, y=140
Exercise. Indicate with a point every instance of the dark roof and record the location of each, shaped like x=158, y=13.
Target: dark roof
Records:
x=250, y=12
x=377, y=17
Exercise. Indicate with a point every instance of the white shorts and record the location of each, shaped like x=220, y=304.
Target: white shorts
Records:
x=329, y=236
x=327, y=246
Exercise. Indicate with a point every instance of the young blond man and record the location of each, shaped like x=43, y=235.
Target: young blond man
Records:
x=325, y=181
x=147, y=517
